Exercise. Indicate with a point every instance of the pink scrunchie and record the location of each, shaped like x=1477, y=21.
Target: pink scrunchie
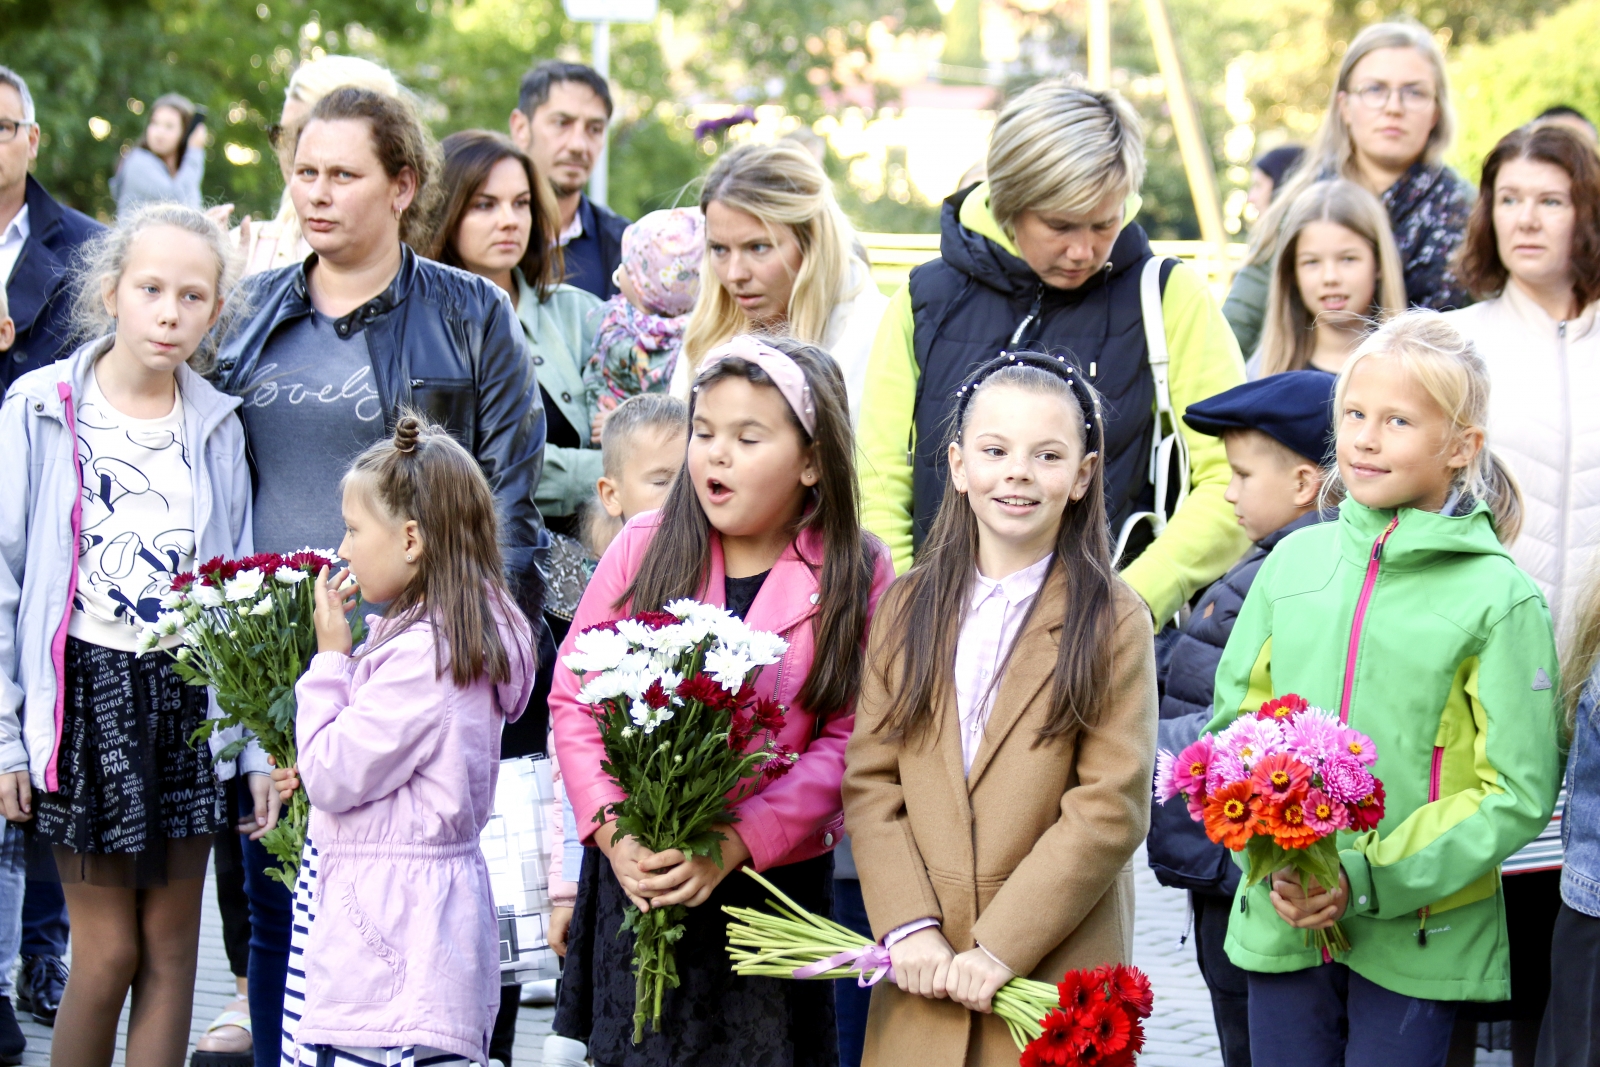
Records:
x=784, y=372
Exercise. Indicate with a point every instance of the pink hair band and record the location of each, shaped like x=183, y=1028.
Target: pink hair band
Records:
x=784, y=372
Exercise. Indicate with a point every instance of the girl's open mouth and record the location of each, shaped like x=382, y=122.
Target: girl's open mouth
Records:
x=1016, y=505
x=717, y=491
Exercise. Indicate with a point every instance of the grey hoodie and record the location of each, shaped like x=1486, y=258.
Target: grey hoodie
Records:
x=144, y=178
x=40, y=515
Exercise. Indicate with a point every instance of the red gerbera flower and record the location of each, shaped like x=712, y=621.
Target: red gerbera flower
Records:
x=1287, y=824
x=1280, y=777
x=1284, y=708
x=1109, y=1028
x=1061, y=1043
x=1075, y=992
x=1232, y=814
x=1366, y=813
x=1130, y=988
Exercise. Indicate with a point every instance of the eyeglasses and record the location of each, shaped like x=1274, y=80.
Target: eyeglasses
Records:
x=10, y=129
x=1375, y=97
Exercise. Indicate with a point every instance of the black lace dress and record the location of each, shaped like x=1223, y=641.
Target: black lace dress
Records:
x=714, y=1018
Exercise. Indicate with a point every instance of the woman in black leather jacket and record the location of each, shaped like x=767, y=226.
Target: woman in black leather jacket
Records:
x=333, y=348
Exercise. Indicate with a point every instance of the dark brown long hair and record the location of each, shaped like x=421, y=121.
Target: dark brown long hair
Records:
x=1479, y=265
x=927, y=618
x=422, y=474
x=679, y=557
x=469, y=156
x=400, y=140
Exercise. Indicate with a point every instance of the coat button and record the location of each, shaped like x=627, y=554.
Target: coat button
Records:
x=827, y=839
x=566, y=397
x=1361, y=900
x=38, y=406
x=538, y=361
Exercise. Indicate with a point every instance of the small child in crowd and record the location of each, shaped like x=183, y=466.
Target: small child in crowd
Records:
x=641, y=448
x=1409, y=619
x=123, y=466
x=398, y=957
x=1277, y=431
x=763, y=519
x=1336, y=273
x=640, y=331
x=1012, y=654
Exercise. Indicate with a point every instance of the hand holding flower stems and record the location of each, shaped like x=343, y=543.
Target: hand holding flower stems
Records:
x=1306, y=905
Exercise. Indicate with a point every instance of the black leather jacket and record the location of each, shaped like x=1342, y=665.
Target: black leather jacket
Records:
x=447, y=343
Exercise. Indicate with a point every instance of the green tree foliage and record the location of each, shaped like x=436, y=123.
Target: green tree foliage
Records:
x=107, y=59
x=1501, y=85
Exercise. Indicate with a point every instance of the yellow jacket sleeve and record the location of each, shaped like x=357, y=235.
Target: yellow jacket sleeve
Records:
x=888, y=408
x=1202, y=539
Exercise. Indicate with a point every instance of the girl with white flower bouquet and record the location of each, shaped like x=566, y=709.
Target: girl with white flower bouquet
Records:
x=122, y=466
x=1408, y=621
x=762, y=521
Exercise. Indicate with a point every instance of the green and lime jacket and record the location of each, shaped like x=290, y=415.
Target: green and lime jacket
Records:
x=1419, y=628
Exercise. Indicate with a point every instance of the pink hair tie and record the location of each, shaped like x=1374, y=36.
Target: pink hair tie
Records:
x=784, y=372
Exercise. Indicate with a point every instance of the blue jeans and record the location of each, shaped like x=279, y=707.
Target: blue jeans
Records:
x=13, y=880
x=271, y=912
x=44, y=919
x=849, y=999
x=1329, y=1016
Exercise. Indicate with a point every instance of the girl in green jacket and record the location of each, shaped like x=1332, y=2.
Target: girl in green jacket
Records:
x=1408, y=616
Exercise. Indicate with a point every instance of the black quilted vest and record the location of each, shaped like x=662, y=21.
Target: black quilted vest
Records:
x=966, y=307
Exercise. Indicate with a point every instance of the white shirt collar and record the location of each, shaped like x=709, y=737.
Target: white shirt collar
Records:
x=12, y=239
x=1015, y=587
x=573, y=232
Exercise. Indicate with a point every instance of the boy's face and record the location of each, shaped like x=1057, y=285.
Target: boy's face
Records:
x=1271, y=486
x=652, y=461
x=8, y=333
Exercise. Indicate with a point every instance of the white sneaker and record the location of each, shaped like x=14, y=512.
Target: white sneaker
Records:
x=564, y=1052
x=539, y=994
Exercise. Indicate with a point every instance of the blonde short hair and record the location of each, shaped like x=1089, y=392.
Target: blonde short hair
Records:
x=1063, y=148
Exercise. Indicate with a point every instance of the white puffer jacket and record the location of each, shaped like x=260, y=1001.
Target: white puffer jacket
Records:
x=1544, y=422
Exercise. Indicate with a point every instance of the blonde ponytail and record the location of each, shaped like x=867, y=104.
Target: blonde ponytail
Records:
x=1503, y=495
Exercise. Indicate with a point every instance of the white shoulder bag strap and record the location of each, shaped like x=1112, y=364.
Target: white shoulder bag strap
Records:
x=1167, y=442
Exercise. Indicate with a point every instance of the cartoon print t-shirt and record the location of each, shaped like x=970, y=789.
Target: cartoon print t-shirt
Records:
x=138, y=518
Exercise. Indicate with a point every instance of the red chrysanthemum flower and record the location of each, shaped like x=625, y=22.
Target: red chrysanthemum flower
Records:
x=1232, y=814
x=656, y=696
x=1284, y=708
x=1279, y=778
x=1287, y=824
x=1366, y=813
x=1130, y=988
x=656, y=620
x=768, y=715
x=704, y=688
x=606, y=627
x=782, y=760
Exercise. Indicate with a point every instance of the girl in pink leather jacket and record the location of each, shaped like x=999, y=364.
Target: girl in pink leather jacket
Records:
x=399, y=751
x=762, y=519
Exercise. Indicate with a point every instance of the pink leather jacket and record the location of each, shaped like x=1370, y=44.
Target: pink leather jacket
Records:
x=792, y=819
x=400, y=767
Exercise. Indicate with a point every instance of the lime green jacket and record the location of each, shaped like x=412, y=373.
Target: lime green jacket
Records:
x=1441, y=651
x=1202, y=539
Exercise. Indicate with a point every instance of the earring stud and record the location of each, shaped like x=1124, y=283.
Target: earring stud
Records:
x=409, y=558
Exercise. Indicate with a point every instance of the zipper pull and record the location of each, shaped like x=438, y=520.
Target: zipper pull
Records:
x=1422, y=928
x=1244, y=903
x=1561, y=329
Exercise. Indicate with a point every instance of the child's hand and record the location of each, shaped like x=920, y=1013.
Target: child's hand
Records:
x=624, y=853
x=1309, y=906
x=922, y=963
x=287, y=779
x=264, y=798
x=333, y=600
x=672, y=878
x=973, y=978
x=560, y=923
x=598, y=425
x=16, y=796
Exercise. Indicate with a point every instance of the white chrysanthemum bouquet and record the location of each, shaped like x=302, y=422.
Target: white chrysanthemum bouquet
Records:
x=685, y=739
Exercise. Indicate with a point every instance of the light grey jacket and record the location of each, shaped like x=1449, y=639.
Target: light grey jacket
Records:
x=144, y=178
x=40, y=519
x=560, y=336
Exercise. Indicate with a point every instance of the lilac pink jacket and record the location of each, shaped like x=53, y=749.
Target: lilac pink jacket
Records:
x=399, y=764
x=800, y=815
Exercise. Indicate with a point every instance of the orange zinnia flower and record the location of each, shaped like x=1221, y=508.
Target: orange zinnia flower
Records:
x=1280, y=777
x=1286, y=823
x=1231, y=815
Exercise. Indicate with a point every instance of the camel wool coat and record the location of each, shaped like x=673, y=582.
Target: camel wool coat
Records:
x=1029, y=855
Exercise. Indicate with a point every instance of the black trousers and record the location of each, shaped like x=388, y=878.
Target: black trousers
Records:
x=1229, y=986
x=1570, y=1036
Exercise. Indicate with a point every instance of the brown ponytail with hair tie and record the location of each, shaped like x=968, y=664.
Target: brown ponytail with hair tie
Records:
x=407, y=432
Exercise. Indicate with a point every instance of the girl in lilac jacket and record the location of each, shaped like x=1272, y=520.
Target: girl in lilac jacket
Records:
x=399, y=751
x=762, y=519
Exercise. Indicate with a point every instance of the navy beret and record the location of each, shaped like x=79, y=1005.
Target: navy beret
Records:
x=1294, y=409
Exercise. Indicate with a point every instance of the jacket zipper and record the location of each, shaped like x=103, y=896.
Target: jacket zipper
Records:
x=1563, y=370
x=1433, y=795
x=58, y=646
x=1373, y=563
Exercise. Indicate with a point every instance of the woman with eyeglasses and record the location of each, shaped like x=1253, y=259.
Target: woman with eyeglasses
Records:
x=1387, y=129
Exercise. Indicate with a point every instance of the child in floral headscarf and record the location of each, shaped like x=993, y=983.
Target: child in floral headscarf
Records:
x=640, y=333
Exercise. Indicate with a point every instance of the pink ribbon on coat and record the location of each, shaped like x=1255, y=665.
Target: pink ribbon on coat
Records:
x=874, y=958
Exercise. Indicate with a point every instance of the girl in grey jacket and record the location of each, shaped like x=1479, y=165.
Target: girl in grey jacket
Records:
x=161, y=168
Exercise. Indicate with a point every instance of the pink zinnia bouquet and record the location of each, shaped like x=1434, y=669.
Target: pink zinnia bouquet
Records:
x=1278, y=786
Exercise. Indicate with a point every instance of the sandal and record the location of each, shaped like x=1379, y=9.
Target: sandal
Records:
x=230, y=1017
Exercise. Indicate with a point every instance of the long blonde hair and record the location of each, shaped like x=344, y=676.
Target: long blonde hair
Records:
x=1289, y=337
x=1445, y=363
x=1581, y=649
x=781, y=184
x=1331, y=151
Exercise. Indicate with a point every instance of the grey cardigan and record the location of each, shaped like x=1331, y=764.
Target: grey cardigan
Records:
x=144, y=178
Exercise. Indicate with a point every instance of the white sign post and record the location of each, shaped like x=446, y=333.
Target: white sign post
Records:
x=603, y=13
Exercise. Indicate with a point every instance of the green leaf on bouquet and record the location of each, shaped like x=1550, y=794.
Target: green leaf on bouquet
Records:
x=281, y=713
x=708, y=844
x=231, y=750
x=1264, y=856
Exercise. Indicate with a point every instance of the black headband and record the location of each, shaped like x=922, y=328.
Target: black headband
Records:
x=1059, y=366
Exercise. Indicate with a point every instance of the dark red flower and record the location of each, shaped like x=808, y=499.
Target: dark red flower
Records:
x=1109, y=1028
x=768, y=715
x=704, y=689
x=310, y=562
x=656, y=696
x=1366, y=813
x=656, y=620
x=1284, y=708
x=778, y=764
x=1130, y=988
x=182, y=583
x=606, y=627
x=1076, y=990
x=1061, y=1044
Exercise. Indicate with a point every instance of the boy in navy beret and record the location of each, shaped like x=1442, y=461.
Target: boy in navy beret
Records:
x=1277, y=431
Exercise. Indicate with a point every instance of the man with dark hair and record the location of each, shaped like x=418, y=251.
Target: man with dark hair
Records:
x=38, y=238
x=560, y=120
x=1573, y=119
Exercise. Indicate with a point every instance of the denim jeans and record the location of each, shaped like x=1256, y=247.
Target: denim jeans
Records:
x=13, y=880
x=1329, y=1016
x=271, y=911
x=44, y=919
